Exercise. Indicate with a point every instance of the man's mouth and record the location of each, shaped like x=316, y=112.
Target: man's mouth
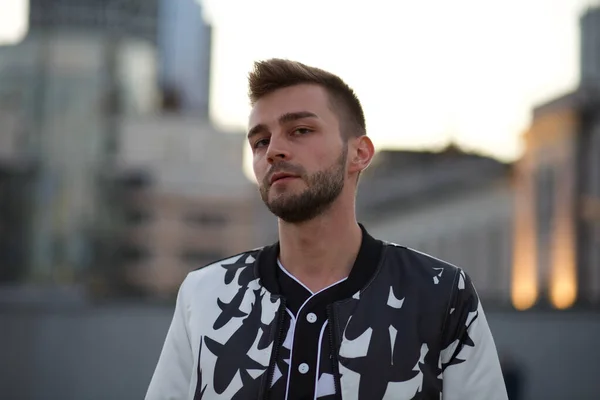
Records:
x=282, y=177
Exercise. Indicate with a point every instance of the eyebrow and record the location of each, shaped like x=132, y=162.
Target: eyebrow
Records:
x=287, y=117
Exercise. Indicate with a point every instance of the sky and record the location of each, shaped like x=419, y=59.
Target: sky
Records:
x=426, y=72
x=13, y=20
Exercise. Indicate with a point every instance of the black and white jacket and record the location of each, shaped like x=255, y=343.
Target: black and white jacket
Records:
x=408, y=326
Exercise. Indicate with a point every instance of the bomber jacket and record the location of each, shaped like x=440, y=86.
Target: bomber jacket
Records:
x=423, y=331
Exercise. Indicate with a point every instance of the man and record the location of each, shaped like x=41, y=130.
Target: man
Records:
x=327, y=312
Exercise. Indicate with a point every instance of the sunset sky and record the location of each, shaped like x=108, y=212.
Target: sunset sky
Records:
x=426, y=71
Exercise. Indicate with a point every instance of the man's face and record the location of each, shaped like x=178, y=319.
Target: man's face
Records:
x=299, y=155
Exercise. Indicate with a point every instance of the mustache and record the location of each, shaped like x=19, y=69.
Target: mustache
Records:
x=283, y=166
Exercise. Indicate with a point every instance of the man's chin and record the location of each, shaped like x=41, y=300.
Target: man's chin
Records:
x=292, y=216
x=289, y=186
x=281, y=208
x=283, y=194
x=293, y=213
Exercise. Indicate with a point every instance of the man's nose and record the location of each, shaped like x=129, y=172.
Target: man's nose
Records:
x=278, y=150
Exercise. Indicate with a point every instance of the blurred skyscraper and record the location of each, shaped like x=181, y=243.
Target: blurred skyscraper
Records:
x=184, y=40
x=590, y=47
x=588, y=161
x=82, y=65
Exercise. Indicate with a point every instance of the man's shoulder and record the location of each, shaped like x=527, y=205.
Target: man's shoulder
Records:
x=226, y=266
x=421, y=264
x=242, y=259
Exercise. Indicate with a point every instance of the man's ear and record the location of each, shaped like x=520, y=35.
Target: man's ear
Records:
x=362, y=151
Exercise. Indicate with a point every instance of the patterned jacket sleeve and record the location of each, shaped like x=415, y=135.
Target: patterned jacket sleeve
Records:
x=470, y=363
x=173, y=372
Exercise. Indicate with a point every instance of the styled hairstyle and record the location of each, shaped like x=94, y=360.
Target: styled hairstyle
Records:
x=275, y=73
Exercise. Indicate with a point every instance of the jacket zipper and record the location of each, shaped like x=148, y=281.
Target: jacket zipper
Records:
x=264, y=392
x=334, y=351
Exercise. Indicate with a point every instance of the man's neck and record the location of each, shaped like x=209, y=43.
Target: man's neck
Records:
x=322, y=251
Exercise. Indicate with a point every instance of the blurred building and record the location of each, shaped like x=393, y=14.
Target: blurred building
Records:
x=452, y=205
x=185, y=201
x=14, y=179
x=184, y=40
x=590, y=47
x=82, y=64
x=588, y=161
x=557, y=236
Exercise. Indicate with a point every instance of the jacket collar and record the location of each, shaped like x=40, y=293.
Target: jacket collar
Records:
x=366, y=264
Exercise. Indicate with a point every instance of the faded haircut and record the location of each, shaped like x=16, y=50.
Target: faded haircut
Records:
x=275, y=73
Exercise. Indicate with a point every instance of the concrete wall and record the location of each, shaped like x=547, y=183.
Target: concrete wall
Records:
x=109, y=352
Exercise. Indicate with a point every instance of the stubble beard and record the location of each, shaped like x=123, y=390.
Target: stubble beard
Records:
x=323, y=188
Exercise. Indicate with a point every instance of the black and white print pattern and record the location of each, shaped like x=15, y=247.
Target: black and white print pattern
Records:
x=322, y=384
x=417, y=330
x=239, y=345
x=375, y=361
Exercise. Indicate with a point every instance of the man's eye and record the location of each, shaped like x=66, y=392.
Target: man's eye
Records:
x=302, y=131
x=261, y=143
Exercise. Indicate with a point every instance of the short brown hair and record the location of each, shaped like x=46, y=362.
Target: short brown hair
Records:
x=276, y=73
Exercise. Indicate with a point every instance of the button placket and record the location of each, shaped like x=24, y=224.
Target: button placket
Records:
x=303, y=368
x=311, y=317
